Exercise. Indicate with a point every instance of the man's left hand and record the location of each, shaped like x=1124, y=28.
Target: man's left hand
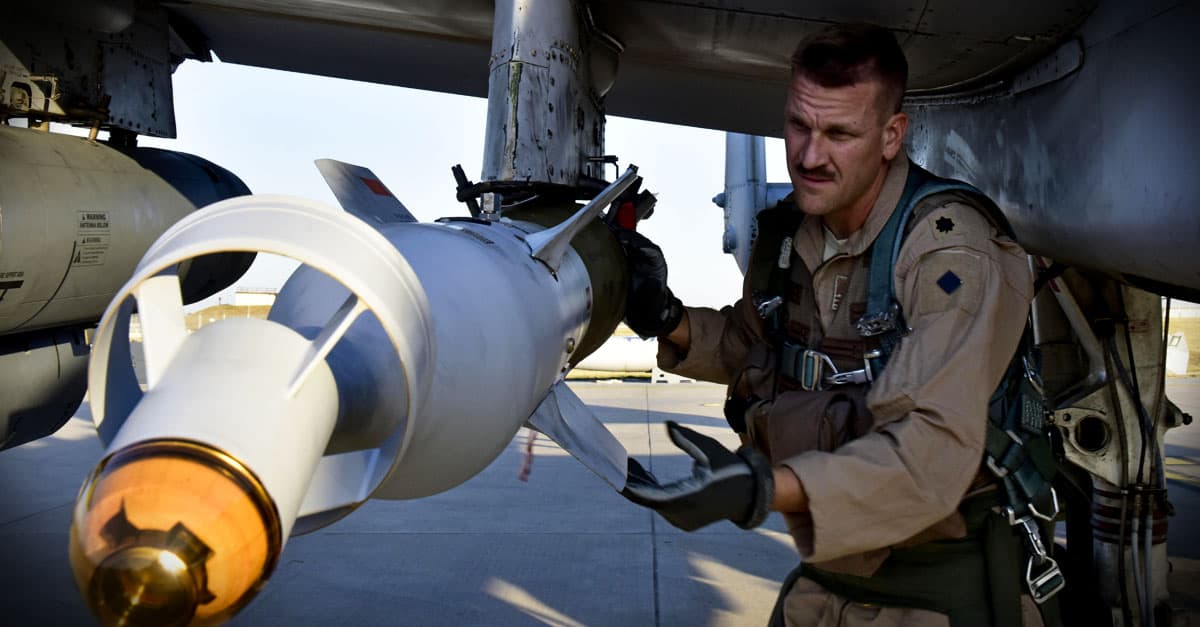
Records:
x=651, y=310
x=724, y=485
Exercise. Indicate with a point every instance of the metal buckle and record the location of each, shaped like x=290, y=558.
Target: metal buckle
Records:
x=878, y=323
x=1044, y=585
x=767, y=307
x=1049, y=580
x=1002, y=472
x=1033, y=534
x=1012, y=513
x=1048, y=518
x=815, y=371
x=849, y=377
x=868, y=356
x=812, y=370
x=1032, y=376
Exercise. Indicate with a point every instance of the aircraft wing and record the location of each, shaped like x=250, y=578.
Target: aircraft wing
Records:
x=721, y=65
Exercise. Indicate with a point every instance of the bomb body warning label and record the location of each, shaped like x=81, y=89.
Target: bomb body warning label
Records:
x=91, y=239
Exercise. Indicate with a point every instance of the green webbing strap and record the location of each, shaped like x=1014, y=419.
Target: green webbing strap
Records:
x=777, y=612
x=1018, y=451
x=975, y=581
x=884, y=316
x=767, y=279
x=881, y=310
x=1013, y=439
x=1005, y=564
x=1024, y=468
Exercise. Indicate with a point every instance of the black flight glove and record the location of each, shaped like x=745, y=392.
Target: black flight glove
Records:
x=724, y=485
x=651, y=310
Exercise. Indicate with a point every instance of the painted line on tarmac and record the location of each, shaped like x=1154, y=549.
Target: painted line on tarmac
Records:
x=1191, y=484
x=1174, y=476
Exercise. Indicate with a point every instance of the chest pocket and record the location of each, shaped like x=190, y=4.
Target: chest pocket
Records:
x=842, y=295
x=801, y=324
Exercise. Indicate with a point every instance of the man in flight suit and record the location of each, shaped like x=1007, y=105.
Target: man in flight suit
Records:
x=883, y=490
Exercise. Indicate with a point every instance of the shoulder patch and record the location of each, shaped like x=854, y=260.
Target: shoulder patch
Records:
x=949, y=282
x=949, y=279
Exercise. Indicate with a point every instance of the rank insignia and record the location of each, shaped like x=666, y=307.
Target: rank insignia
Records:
x=942, y=227
x=949, y=282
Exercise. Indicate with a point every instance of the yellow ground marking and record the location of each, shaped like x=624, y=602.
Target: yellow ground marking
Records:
x=1174, y=476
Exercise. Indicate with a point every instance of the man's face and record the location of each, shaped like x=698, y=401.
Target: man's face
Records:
x=839, y=140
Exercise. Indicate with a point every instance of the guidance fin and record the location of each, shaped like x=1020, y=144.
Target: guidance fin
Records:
x=362, y=194
x=566, y=420
x=550, y=245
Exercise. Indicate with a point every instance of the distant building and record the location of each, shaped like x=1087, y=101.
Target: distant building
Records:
x=1184, y=309
x=1178, y=357
x=254, y=297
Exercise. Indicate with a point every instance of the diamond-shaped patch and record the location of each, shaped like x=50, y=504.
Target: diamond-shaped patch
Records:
x=949, y=282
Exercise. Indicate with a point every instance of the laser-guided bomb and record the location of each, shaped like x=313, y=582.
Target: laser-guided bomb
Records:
x=398, y=361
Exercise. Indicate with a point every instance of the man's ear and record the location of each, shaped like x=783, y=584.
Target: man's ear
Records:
x=893, y=135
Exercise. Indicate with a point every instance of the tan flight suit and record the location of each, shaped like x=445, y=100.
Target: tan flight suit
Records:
x=965, y=292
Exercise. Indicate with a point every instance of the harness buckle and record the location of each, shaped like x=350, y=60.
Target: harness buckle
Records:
x=1032, y=376
x=1002, y=472
x=768, y=307
x=815, y=371
x=868, y=357
x=1050, y=517
x=878, y=323
x=812, y=370
x=849, y=377
x=1045, y=584
x=1034, y=537
x=1042, y=575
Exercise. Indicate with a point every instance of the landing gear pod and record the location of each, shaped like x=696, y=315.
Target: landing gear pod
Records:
x=77, y=216
x=45, y=378
x=204, y=183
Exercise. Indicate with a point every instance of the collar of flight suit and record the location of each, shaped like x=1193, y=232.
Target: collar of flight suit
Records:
x=809, y=241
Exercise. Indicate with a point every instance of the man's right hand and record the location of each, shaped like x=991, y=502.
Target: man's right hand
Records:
x=651, y=310
x=724, y=485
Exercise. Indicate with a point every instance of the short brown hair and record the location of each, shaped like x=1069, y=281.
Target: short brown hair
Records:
x=840, y=55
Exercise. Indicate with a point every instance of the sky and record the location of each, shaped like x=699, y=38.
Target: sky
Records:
x=268, y=126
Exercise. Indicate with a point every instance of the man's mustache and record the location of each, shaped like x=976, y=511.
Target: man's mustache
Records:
x=820, y=174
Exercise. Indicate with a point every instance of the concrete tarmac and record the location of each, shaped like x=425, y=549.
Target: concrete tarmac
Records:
x=559, y=549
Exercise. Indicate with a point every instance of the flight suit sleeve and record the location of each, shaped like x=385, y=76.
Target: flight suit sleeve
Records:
x=965, y=291
x=719, y=343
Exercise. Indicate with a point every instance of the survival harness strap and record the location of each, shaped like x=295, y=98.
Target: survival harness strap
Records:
x=1017, y=450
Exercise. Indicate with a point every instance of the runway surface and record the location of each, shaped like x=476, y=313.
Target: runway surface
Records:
x=560, y=549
